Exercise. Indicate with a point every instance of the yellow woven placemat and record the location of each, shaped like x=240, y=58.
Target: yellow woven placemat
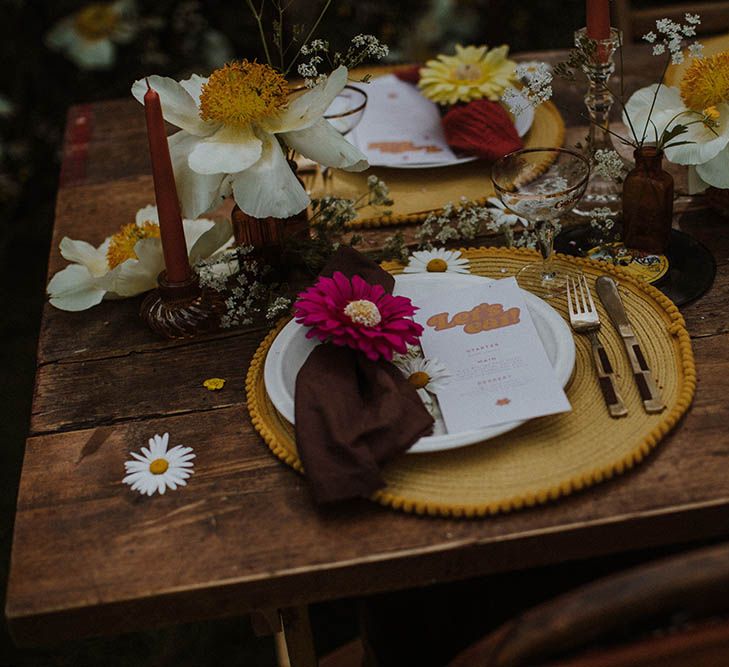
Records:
x=545, y=458
x=418, y=192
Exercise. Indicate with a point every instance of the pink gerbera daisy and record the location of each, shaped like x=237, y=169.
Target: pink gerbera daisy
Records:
x=358, y=315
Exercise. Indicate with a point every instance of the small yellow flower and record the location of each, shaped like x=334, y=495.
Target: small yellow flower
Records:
x=472, y=73
x=214, y=384
x=706, y=82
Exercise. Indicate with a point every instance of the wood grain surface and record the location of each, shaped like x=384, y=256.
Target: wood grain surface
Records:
x=90, y=556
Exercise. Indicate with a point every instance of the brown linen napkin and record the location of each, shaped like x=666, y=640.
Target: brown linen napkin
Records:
x=353, y=414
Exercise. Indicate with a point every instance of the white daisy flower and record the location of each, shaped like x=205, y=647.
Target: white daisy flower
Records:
x=233, y=125
x=438, y=260
x=428, y=376
x=128, y=262
x=156, y=469
x=89, y=36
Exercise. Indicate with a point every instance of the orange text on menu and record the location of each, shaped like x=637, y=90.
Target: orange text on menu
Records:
x=484, y=317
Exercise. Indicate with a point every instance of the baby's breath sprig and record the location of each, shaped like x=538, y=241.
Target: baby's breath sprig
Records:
x=360, y=49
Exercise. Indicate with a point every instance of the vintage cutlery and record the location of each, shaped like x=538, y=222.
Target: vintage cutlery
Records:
x=607, y=290
x=585, y=320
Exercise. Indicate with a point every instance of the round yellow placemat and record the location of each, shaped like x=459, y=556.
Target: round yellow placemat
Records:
x=418, y=192
x=545, y=458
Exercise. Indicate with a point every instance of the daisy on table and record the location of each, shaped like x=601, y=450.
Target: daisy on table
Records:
x=128, y=262
x=437, y=260
x=157, y=469
x=232, y=129
x=89, y=37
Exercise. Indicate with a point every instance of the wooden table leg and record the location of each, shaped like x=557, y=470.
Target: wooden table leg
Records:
x=298, y=642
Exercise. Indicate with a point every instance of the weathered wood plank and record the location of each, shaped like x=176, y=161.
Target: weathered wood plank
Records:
x=142, y=383
x=245, y=533
x=89, y=556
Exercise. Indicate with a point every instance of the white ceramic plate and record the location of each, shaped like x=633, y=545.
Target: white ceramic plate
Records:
x=291, y=348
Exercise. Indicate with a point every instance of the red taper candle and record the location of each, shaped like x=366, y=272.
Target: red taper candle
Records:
x=598, y=19
x=168, y=205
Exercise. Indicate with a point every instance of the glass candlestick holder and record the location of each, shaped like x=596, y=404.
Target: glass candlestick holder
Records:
x=602, y=191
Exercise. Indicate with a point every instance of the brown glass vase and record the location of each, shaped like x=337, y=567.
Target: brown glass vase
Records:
x=648, y=203
x=268, y=235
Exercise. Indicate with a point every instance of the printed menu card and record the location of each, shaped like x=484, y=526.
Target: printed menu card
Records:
x=400, y=126
x=499, y=369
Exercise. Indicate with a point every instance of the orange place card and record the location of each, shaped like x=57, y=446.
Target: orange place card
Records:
x=499, y=368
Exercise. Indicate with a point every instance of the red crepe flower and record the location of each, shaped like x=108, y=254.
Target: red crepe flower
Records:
x=358, y=315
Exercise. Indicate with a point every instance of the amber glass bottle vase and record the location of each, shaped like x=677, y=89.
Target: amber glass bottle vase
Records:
x=648, y=203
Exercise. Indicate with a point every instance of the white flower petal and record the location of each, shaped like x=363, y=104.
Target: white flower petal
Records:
x=74, y=289
x=135, y=276
x=706, y=144
x=668, y=103
x=96, y=54
x=309, y=107
x=228, y=151
x=716, y=172
x=147, y=214
x=194, y=85
x=135, y=466
x=696, y=184
x=323, y=144
x=269, y=187
x=178, y=107
x=80, y=252
x=198, y=192
x=210, y=241
x=62, y=34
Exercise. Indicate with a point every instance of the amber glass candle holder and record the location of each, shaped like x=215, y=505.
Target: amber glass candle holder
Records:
x=182, y=310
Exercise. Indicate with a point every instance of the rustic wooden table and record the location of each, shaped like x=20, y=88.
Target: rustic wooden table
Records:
x=89, y=556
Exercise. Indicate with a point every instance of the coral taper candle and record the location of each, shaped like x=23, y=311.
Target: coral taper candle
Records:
x=598, y=19
x=171, y=230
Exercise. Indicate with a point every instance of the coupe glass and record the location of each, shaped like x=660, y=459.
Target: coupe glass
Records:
x=540, y=185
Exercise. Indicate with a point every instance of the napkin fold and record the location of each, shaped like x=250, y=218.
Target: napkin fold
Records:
x=482, y=128
x=353, y=414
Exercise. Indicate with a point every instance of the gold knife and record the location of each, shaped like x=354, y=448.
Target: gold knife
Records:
x=607, y=290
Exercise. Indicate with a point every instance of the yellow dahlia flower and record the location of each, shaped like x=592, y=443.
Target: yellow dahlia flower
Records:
x=472, y=73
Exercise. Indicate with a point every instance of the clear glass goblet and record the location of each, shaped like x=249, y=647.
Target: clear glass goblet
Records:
x=541, y=185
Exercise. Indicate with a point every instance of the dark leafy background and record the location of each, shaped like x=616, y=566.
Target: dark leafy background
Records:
x=38, y=85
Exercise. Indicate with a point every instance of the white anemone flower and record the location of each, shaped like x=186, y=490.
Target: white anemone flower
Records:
x=232, y=125
x=89, y=37
x=156, y=469
x=437, y=260
x=428, y=376
x=708, y=151
x=128, y=262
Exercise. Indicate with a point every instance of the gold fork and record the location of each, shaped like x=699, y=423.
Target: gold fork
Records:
x=585, y=320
